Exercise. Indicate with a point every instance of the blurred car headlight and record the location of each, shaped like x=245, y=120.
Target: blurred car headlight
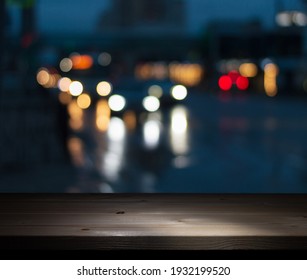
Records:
x=151, y=103
x=117, y=103
x=179, y=92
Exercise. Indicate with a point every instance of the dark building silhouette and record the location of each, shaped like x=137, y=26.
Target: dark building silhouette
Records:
x=159, y=16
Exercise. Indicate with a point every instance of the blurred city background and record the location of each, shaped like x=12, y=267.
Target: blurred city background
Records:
x=164, y=96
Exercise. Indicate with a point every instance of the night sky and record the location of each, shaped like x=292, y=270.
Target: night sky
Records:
x=65, y=15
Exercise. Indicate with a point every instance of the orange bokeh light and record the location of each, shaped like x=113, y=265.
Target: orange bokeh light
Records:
x=81, y=62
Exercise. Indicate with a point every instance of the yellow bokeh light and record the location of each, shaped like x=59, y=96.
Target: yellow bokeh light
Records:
x=271, y=70
x=43, y=77
x=102, y=122
x=104, y=88
x=84, y=101
x=64, y=83
x=270, y=79
x=248, y=70
x=186, y=74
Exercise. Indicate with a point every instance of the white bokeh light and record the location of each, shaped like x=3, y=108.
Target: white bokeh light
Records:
x=179, y=92
x=117, y=103
x=76, y=88
x=151, y=103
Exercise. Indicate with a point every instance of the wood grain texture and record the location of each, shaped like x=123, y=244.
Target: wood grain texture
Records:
x=153, y=221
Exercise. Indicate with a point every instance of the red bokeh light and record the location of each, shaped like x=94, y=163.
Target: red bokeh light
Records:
x=234, y=75
x=225, y=83
x=242, y=83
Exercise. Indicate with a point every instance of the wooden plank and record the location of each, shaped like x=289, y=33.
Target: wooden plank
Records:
x=148, y=221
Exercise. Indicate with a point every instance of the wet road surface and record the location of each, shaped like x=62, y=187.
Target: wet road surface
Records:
x=211, y=143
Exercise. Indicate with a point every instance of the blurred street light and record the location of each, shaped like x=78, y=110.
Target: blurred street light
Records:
x=291, y=18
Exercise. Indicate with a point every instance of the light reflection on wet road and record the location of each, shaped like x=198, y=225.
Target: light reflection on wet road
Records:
x=209, y=145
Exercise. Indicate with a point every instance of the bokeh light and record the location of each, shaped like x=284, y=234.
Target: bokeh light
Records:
x=64, y=83
x=270, y=79
x=248, y=70
x=104, y=59
x=225, y=83
x=66, y=64
x=76, y=88
x=179, y=92
x=299, y=18
x=242, y=83
x=151, y=103
x=84, y=101
x=117, y=103
x=284, y=19
x=43, y=76
x=81, y=62
x=155, y=90
x=104, y=88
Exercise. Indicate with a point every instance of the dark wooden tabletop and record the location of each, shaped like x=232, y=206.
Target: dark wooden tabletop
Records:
x=153, y=221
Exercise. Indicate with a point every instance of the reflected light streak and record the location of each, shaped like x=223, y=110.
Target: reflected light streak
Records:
x=76, y=150
x=151, y=134
x=117, y=130
x=179, y=131
x=114, y=156
x=65, y=98
x=130, y=120
x=103, y=113
x=76, y=116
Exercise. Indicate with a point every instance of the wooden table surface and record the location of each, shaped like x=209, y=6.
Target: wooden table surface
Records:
x=153, y=221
